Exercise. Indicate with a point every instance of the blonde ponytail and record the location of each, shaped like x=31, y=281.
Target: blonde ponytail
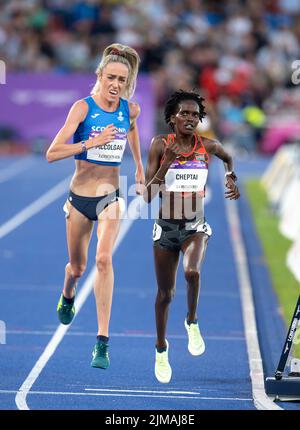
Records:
x=117, y=53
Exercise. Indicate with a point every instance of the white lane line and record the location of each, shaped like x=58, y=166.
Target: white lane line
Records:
x=122, y=291
x=15, y=168
x=62, y=329
x=110, y=390
x=129, y=335
x=35, y=207
x=261, y=400
x=70, y=393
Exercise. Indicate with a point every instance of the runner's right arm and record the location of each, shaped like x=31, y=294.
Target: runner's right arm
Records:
x=156, y=171
x=60, y=148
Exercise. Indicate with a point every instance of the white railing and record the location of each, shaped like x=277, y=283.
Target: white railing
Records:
x=282, y=184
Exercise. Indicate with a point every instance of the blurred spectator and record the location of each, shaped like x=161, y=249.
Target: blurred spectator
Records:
x=237, y=52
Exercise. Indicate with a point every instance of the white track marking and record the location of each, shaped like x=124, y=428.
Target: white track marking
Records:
x=123, y=290
x=35, y=207
x=141, y=391
x=70, y=393
x=15, y=168
x=129, y=335
x=261, y=400
x=62, y=329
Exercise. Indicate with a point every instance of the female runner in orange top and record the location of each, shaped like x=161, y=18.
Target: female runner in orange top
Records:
x=177, y=168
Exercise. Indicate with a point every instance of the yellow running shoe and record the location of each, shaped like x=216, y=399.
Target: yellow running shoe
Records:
x=196, y=344
x=163, y=371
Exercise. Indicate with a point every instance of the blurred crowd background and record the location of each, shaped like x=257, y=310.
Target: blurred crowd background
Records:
x=238, y=53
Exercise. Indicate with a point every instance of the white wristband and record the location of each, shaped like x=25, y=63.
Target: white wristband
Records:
x=232, y=175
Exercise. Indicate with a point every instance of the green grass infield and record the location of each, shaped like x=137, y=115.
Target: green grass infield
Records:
x=275, y=247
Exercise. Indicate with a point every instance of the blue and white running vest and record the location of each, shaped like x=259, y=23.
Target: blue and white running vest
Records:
x=96, y=120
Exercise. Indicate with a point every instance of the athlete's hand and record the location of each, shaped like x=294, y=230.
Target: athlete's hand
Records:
x=171, y=152
x=106, y=136
x=139, y=179
x=233, y=191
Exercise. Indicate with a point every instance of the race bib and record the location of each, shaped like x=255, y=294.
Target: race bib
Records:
x=186, y=180
x=111, y=152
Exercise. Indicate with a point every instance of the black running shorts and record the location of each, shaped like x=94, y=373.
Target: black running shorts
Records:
x=170, y=234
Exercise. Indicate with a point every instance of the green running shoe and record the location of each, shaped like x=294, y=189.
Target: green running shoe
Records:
x=65, y=311
x=100, y=356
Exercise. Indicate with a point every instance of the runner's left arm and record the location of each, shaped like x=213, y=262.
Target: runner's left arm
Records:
x=216, y=148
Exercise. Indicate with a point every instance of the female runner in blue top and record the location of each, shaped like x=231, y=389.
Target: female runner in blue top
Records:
x=100, y=125
x=177, y=169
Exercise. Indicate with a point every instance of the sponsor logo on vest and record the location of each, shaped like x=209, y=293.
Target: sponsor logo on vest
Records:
x=120, y=116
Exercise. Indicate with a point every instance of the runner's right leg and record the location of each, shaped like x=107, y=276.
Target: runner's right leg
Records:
x=79, y=231
x=166, y=263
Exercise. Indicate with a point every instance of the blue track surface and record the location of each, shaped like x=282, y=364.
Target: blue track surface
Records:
x=33, y=257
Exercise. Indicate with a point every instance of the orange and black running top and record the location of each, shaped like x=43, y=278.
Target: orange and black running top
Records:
x=188, y=172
